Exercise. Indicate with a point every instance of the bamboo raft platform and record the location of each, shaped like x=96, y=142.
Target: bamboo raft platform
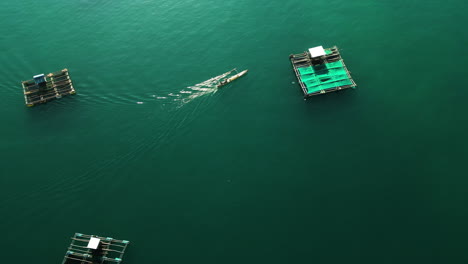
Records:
x=42, y=89
x=90, y=249
x=321, y=71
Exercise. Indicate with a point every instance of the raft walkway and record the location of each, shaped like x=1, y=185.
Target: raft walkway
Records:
x=50, y=87
x=87, y=249
x=321, y=74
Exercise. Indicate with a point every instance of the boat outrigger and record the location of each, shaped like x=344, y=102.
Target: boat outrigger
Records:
x=232, y=78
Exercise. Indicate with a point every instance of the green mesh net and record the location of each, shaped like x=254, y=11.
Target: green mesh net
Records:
x=325, y=76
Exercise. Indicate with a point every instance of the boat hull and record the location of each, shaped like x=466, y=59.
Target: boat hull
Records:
x=233, y=78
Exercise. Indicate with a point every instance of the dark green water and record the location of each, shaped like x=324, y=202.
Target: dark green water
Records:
x=251, y=173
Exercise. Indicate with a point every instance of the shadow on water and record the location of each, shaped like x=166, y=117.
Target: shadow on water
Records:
x=331, y=102
x=335, y=108
x=55, y=114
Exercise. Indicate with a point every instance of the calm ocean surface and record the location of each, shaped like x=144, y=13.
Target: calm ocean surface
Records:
x=251, y=173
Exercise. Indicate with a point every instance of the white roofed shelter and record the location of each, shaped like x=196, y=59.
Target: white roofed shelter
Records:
x=317, y=52
x=93, y=243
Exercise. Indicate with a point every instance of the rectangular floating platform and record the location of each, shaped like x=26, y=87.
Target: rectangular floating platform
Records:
x=321, y=71
x=44, y=88
x=89, y=249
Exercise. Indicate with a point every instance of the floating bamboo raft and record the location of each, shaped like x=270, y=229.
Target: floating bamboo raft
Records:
x=52, y=86
x=321, y=74
x=83, y=250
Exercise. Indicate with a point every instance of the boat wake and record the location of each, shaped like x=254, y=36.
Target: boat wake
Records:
x=190, y=93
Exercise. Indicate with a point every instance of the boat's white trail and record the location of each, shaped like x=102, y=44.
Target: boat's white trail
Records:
x=188, y=94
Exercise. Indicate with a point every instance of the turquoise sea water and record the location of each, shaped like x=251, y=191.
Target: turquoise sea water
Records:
x=250, y=173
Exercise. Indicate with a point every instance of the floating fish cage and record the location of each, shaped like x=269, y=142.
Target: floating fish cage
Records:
x=321, y=71
x=89, y=249
x=44, y=88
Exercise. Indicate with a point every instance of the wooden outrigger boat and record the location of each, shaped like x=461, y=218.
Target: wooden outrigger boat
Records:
x=232, y=78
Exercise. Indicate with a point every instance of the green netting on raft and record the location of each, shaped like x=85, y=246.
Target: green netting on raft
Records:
x=325, y=80
x=325, y=76
x=328, y=86
x=305, y=70
x=328, y=52
x=320, y=68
